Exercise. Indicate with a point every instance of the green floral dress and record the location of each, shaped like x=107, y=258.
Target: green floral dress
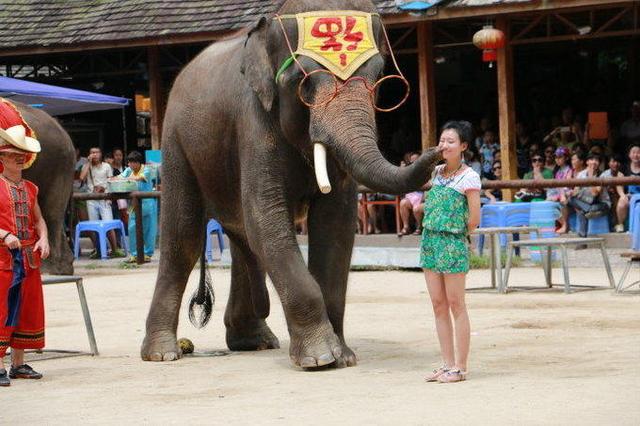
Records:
x=444, y=236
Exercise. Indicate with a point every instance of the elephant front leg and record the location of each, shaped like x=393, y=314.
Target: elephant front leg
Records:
x=248, y=306
x=332, y=222
x=313, y=340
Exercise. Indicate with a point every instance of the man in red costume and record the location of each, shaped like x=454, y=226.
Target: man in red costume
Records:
x=23, y=241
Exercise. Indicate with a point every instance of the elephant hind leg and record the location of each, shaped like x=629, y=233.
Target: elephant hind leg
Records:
x=182, y=229
x=248, y=305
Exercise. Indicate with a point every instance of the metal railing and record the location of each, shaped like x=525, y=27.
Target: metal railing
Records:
x=136, y=196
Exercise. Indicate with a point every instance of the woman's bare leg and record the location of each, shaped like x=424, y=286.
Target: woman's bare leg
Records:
x=444, y=328
x=454, y=286
x=405, y=214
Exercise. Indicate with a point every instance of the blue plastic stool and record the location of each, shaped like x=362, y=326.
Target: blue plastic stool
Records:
x=634, y=212
x=598, y=225
x=100, y=227
x=214, y=226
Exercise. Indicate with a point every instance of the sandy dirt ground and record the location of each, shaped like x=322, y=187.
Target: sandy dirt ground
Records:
x=538, y=357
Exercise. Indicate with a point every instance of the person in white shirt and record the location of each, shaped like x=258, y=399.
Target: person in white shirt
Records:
x=97, y=173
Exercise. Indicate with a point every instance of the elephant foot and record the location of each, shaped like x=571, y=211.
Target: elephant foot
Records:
x=320, y=349
x=256, y=338
x=161, y=346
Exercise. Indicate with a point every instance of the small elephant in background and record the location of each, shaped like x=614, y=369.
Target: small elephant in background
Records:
x=241, y=146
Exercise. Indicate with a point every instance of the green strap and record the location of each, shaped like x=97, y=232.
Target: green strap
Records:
x=286, y=64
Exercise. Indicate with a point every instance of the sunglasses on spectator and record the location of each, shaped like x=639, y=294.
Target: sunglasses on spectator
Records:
x=497, y=168
x=536, y=160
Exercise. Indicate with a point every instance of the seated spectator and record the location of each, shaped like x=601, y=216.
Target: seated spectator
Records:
x=472, y=159
x=550, y=157
x=487, y=151
x=616, y=192
x=561, y=171
x=538, y=172
x=578, y=162
x=411, y=206
x=495, y=194
x=634, y=170
x=591, y=201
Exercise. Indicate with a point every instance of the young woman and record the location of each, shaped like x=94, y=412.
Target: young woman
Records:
x=591, y=201
x=561, y=171
x=452, y=210
x=496, y=194
x=634, y=170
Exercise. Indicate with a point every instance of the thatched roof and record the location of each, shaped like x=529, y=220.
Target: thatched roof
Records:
x=42, y=23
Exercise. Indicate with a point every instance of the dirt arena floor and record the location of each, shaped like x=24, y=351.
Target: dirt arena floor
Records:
x=537, y=357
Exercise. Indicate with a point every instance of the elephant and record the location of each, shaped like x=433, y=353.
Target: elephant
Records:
x=242, y=147
x=52, y=172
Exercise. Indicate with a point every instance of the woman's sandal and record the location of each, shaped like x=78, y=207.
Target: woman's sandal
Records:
x=418, y=231
x=453, y=376
x=435, y=374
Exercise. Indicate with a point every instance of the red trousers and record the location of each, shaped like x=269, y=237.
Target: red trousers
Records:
x=21, y=308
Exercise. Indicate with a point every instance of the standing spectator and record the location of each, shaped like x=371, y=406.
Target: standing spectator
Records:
x=561, y=171
x=523, y=140
x=79, y=186
x=630, y=129
x=120, y=208
x=142, y=174
x=487, y=151
x=616, y=192
x=538, y=172
x=97, y=173
x=592, y=201
x=634, y=170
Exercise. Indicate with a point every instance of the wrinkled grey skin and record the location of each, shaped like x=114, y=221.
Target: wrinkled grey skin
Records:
x=239, y=147
x=52, y=172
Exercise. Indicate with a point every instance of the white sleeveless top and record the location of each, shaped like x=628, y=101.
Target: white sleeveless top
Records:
x=467, y=180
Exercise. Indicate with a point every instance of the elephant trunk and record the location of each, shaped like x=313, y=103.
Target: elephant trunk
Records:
x=347, y=127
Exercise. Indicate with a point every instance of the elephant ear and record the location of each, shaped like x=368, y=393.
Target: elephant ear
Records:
x=256, y=65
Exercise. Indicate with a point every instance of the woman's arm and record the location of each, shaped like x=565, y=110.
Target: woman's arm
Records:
x=473, y=200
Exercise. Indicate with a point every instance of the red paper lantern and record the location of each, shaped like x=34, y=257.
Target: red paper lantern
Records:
x=489, y=39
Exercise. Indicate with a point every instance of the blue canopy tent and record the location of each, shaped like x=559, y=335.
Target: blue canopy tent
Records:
x=57, y=100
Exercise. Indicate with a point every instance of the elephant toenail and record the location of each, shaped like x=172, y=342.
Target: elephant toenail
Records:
x=337, y=352
x=308, y=362
x=325, y=359
x=170, y=356
x=156, y=356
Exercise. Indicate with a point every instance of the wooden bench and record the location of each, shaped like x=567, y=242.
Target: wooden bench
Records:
x=65, y=279
x=562, y=243
x=495, y=258
x=633, y=257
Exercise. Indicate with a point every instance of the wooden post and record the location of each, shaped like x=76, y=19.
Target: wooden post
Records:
x=427, y=85
x=507, y=109
x=156, y=94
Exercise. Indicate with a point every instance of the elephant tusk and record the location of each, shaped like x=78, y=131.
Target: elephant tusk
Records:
x=320, y=164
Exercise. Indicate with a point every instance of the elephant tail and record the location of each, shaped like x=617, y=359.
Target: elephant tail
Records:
x=202, y=300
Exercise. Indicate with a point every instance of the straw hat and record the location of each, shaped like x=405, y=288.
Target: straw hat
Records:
x=14, y=139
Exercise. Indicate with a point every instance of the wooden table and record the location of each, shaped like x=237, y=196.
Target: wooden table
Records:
x=563, y=243
x=495, y=256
